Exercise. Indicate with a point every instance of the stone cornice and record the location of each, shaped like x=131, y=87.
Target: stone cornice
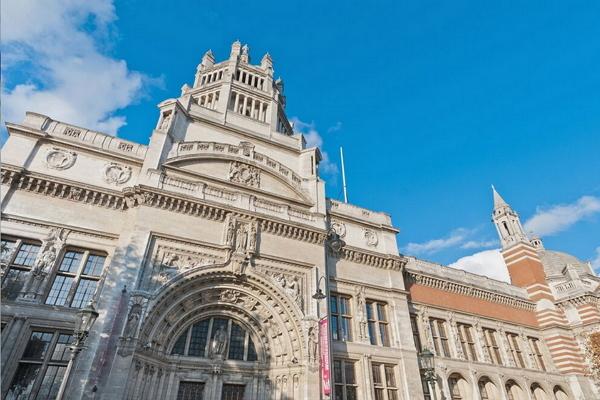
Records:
x=76, y=229
x=579, y=300
x=413, y=277
x=385, y=261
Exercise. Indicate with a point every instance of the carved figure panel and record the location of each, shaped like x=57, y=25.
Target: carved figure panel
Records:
x=241, y=236
x=244, y=174
x=339, y=228
x=371, y=237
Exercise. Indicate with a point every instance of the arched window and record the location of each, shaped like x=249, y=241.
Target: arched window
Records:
x=560, y=394
x=195, y=340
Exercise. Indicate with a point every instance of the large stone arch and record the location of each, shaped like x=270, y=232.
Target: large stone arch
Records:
x=263, y=308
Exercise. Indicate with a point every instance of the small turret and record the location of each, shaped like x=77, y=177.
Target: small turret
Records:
x=208, y=60
x=507, y=222
x=267, y=64
x=236, y=49
x=245, y=57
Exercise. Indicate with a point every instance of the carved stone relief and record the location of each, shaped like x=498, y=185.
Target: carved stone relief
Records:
x=339, y=228
x=241, y=236
x=244, y=174
x=116, y=173
x=363, y=334
x=370, y=237
x=172, y=263
x=60, y=159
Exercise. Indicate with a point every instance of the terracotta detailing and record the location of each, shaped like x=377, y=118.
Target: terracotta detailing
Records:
x=524, y=266
x=551, y=318
x=566, y=354
x=588, y=313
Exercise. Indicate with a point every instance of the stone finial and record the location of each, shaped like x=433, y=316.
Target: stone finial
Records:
x=235, y=50
x=208, y=60
x=267, y=64
x=245, y=57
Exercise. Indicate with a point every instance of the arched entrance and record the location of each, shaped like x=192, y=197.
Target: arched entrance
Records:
x=487, y=389
x=214, y=335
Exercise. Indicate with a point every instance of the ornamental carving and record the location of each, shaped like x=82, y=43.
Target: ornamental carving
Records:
x=370, y=237
x=60, y=159
x=290, y=285
x=361, y=314
x=339, y=228
x=116, y=173
x=244, y=174
x=174, y=263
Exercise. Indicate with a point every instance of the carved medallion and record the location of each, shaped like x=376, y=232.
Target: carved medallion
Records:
x=60, y=159
x=371, y=237
x=244, y=174
x=116, y=173
x=339, y=228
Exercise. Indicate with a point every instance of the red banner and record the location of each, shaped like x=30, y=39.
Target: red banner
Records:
x=324, y=354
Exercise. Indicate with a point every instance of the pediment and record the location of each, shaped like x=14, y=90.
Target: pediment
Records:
x=237, y=166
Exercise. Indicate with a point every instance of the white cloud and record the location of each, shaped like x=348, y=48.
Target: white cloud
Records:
x=335, y=128
x=460, y=237
x=488, y=263
x=55, y=49
x=596, y=261
x=314, y=139
x=549, y=221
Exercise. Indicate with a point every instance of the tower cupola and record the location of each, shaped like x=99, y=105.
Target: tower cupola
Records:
x=507, y=222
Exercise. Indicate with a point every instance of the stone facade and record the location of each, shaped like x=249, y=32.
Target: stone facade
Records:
x=202, y=250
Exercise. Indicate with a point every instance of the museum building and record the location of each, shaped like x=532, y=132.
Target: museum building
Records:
x=209, y=265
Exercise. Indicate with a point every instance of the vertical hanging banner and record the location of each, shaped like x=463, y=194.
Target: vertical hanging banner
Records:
x=324, y=354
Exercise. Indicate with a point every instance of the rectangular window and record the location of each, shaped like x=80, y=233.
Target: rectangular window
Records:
x=18, y=257
x=76, y=279
x=426, y=388
x=515, y=349
x=42, y=366
x=233, y=392
x=440, y=338
x=534, y=346
x=415, y=331
x=190, y=391
x=344, y=380
x=466, y=341
x=384, y=382
x=341, y=318
x=378, y=323
x=491, y=346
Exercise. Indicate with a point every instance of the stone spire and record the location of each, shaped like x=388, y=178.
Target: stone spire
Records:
x=507, y=222
x=208, y=60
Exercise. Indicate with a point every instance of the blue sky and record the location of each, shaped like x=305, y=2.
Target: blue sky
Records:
x=432, y=101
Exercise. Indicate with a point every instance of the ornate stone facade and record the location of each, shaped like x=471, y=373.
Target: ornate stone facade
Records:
x=205, y=252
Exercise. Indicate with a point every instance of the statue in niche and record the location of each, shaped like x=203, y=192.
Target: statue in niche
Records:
x=242, y=239
x=361, y=307
x=164, y=125
x=230, y=235
x=132, y=321
x=218, y=343
x=313, y=343
x=292, y=288
x=252, y=239
x=56, y=239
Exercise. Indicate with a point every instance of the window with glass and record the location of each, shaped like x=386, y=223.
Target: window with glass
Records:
x=536, y=352
x=455, y=393
x=17, y=257
x=195, y=340
x=491, y=346
x=426, y=388
x=344, y=379
x=483, y=392
x=190, y=391
x=76, y=279
x=341, y=318
x=378, y=323
x=42, y=366
x=384, y=382
x=232, y=392
x=415, y=331
x=440, y=337
x=465, y=334
x=515, y=350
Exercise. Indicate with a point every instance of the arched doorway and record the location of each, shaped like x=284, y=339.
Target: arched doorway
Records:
x=538, y=393
x=487, y=389
x=459, y=387
x=214, y=335
x=560, y=394
x=514, y=391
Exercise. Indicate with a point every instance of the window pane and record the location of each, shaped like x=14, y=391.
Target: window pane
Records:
x=51, y=383
x=392, y=395
x=379, y=394
x=38, y=345
x=84, y=293
x=381, y=312
x=351, y=393
x=346, y=333
x=389, y=376
x=23, y=381
x=27, y=254
x=370, y=310
x=334, y=328
x=344, y=306
x=198, y=338
x=383, y=335
x=333, y=304
x=236, y=342
x=93, y=265
x=179, y=346
x=190, y=391
x=339, y=392
x=70, y=261
x=233, y=392
x=372, y=335
x=337, y=371
x=349, y=372
x=6, y=249
x=61, y=349
x=13, y=283
x=60, y=290
x=376, y=368
x=252, y=356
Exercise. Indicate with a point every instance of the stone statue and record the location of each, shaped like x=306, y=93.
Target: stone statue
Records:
x=165, y=122
x=252, y=239
x=242, y=239
x=230, y=235
x=132, y=321
x=362, y=320
x=218, y=343
x=313, y=344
